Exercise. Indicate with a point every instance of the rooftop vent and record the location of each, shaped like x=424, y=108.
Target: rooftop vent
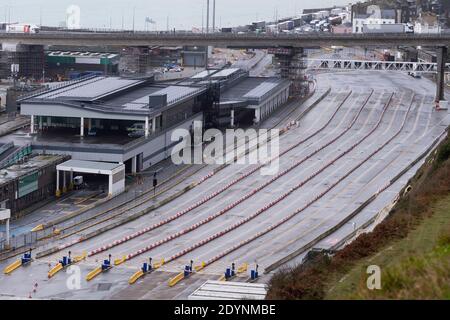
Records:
x=157, y=101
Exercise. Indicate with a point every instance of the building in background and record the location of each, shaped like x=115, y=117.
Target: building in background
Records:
x=427, y=23
x=195, y=56
x=29, y=58
x=25, y=184
x=161, y=56
x=134, y=61
x=342, y=28
x=373, y=17
x=69, y=65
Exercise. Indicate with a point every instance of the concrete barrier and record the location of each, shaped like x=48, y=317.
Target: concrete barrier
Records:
x=13, y=266
x=173, y=281
x=91, y=275
x=136, y=276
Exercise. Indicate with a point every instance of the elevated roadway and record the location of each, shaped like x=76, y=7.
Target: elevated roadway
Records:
x=224, y=40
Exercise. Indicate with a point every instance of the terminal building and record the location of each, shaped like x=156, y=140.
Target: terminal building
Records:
x=113, y=119
x=243, y=100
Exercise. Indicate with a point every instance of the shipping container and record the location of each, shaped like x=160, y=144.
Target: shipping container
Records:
x=384, y=28
x=259, y=24
x=22, y=28
x=335, y=20
x=287, y=25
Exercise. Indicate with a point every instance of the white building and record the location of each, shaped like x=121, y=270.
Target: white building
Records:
x=321, y=15
x=426, y=28
x=427, y=24
x=373, y=16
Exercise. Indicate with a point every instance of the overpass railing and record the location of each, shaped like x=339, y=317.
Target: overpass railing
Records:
x=338, y=64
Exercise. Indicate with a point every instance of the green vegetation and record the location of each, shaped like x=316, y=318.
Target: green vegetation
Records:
x=416, y=267
x=411, y=246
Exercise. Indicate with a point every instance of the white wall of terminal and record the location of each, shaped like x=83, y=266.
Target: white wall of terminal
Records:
x=263, y=110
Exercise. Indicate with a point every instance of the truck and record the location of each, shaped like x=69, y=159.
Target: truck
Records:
x=335, y=20
x=384, y=28
x=286, y=25
x=22, y=28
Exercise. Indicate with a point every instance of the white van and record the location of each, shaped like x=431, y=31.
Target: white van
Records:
x=138, y=126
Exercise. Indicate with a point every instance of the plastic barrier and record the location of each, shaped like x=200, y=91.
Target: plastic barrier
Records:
x=79, y=258
x=91, y=275
x=238, y=201
x=38, y=228
x=290, y=216
x=55, y=270
x=212, y=195
x=243, y=268
x=64, y=263
x=282, y=197
x=136, y=276
x=159, y=264
x=12, y=267
x=120, y=261
x=200, y=267
x=173, y=281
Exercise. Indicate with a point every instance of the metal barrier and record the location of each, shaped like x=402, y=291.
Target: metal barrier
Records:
x=16, y=156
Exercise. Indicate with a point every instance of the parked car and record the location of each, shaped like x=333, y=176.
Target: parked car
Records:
x=138, y=126
x=136, y=134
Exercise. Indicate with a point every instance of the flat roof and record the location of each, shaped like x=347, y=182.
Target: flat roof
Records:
x=253, y=88
x=262, y=89
x=112, y=95
x=223, y=290
x=91, y=89
x=89, y=166
x=204, y=74
x=139, y=99
x=225, y=73
x=32, y=164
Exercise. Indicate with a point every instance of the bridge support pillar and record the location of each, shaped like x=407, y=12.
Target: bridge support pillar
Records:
x=442, y=53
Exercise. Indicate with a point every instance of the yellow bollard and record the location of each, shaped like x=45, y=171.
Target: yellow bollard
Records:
x=38, y=228
x=13, y=266
x=135, y=277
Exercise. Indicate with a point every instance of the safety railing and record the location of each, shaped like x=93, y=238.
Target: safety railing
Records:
x=16, y=156
x=6, y=147
x=54, y=86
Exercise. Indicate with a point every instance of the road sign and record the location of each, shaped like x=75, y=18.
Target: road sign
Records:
x=5, y=214
x=14, y=68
